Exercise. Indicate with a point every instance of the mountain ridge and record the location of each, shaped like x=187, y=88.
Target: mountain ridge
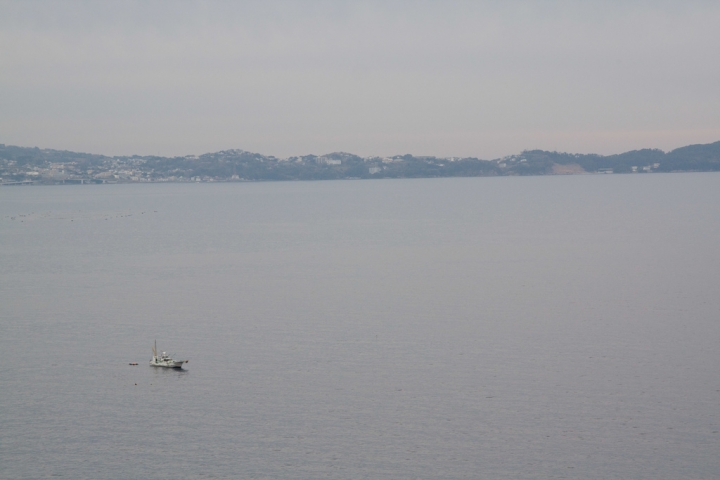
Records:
x=26, y=165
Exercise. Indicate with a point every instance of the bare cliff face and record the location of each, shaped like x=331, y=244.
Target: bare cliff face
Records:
x=567, y=169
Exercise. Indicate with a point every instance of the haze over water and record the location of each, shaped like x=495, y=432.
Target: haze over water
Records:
x=519, y=328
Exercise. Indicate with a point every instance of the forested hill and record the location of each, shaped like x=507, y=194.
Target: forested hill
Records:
x=20, y=165
x=693, y=158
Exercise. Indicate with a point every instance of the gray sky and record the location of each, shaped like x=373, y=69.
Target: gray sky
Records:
x=443, y=78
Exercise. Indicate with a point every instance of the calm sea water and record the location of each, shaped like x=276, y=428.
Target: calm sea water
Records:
x=504, y=328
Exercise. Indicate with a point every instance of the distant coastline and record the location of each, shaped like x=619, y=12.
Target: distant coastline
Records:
x=35, y=166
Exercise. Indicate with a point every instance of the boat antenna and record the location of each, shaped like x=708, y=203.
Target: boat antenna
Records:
x=155, y=349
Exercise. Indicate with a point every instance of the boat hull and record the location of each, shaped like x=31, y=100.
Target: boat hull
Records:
x=167, y=364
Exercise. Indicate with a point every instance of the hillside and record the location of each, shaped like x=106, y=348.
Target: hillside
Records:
x=24, y=165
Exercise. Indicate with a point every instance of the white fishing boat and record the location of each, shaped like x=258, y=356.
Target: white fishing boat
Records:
x=165, y=360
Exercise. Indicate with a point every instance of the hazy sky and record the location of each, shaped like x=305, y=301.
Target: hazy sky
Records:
x=443, y=78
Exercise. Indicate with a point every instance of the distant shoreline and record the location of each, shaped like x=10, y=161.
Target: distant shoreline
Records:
x=21, y=166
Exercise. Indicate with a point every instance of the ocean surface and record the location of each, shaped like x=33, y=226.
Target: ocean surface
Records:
x=499, y=328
